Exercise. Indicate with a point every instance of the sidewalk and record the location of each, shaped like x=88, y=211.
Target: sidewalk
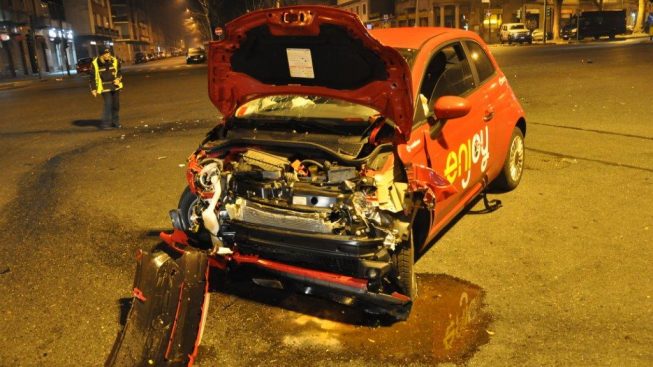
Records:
x=588, y=40
x=25, y=80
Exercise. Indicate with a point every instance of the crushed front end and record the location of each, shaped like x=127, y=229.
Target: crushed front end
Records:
x=304, y=212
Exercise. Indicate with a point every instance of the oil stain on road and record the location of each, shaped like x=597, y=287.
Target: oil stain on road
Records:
x=448, y=323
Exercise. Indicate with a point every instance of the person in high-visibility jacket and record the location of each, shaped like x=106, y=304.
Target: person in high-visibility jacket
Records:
x=106, y=80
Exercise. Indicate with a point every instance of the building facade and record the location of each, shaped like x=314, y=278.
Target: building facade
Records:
x=34, y=38
x=373, y=13
x=93, y=25
x=134, y=28
x=481, y=16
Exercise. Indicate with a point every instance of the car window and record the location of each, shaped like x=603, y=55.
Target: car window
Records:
x=481, y=61
x=518, y=26
x=448, y=74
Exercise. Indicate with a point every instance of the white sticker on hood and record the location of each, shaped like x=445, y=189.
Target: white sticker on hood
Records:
x=300, y=63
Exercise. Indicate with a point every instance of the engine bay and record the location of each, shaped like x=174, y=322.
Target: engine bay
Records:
x=286, y=190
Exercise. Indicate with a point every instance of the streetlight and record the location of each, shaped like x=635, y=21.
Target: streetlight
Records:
x=204, y=15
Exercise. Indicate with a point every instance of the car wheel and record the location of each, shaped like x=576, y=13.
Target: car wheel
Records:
x=513, y=165
x=405, y=260
x=186, y=203
x=611, y=36
x=530, y=42
x=596, y=38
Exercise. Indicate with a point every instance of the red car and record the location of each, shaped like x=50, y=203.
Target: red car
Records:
x=84, y=65
x=341, y=154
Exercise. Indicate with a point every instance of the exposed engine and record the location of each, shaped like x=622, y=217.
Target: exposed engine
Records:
x=286, y=191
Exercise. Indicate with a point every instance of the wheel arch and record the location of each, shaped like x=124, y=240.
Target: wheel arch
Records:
x=521, y=125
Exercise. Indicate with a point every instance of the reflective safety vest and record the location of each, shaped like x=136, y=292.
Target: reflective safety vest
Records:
x=98, y=79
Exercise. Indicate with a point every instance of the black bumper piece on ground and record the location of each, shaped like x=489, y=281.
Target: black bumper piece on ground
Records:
x=164, y=324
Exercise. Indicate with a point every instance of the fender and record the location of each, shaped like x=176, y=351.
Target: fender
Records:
x=424, y=179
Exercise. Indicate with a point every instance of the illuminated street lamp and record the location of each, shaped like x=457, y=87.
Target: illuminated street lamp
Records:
x=203, y=15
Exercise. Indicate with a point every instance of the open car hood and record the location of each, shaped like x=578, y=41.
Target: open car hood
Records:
x=308, y=50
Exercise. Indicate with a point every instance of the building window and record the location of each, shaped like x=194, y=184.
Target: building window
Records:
x=364, y=9
x=98, y=20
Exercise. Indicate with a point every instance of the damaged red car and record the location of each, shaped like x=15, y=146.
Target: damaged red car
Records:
x=341, y=153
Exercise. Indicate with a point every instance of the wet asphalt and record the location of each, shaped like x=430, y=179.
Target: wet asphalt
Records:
x=560, y=275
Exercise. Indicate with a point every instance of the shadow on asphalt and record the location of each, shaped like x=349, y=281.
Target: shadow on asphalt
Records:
x=124, y=304
x=87, y=123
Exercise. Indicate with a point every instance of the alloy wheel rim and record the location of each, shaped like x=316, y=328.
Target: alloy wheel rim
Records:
x=516, y=158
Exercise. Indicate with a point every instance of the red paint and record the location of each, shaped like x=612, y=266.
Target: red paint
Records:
x=177, y=237
x=174, y=324
x=451, y=107
x=229, y=89
x=205, y=309
x=303, y=272
x=435, y=187
x=400, y=297
x=139, y=294
x=218, y=262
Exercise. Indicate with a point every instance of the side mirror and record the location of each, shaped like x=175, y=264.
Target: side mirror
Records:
x=451, y=107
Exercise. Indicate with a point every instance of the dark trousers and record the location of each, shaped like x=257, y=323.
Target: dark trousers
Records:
x=111, y=109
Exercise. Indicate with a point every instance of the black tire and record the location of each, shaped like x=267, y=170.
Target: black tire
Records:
x=513, y=164
x=201, y=238
x=405, y=260
x=597, y=38
x=185, y=206
x=612, y=36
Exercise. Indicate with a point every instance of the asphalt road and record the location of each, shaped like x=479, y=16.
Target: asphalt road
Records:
x=561, y=275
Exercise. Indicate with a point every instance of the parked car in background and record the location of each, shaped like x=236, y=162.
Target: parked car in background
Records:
x=538, y=35
x=140, y=58
x=595, y=24
x=514, y=32
x=84, y=65
x=195, y=56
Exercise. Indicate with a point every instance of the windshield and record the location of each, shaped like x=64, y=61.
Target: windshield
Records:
x=518, y=26
x=304, y=107
x=195, y=51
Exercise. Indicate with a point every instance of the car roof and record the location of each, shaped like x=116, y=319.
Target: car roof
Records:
x=413, y=37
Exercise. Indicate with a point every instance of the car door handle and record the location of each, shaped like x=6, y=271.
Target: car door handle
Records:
x=489, y=115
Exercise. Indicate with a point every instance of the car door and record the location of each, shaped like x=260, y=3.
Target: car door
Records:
x=500, y=117
x=456, y=149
